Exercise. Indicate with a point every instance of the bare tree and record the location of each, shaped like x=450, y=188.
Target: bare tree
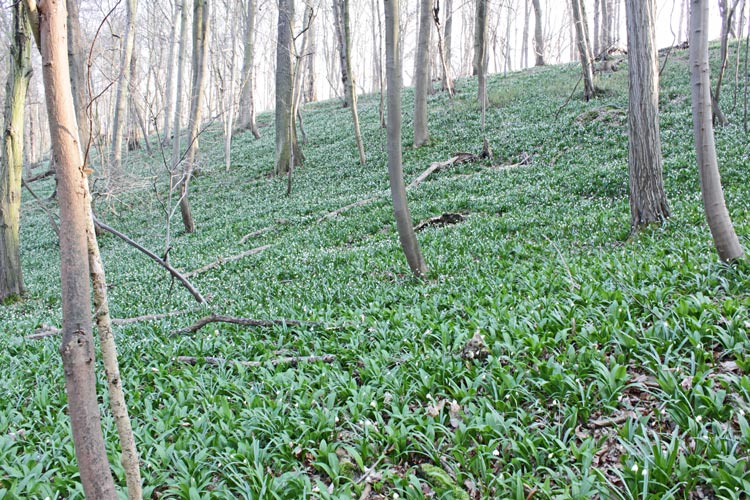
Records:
x=77, y=346
x=246, y=112
x=76, y=56
x=480, y=50
x=406, y=233
x=725, y=239
x=584, y=48
x=123, y=85
x=201, y=17
x=447, y=80
x=727, y=11
x=538, y=34
x=11, y=155
x=169, y=93
x=421, y=133
x=285, y=129
x=648, y=202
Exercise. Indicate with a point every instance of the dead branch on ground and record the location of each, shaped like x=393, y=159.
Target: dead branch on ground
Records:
x=218, y=318
x=291, y=360
x=223, y=260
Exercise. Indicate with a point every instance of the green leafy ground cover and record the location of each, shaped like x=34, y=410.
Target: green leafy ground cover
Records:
x=616, y=368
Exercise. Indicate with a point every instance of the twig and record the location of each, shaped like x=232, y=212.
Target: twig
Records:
x=356, y=204
x=291, y=360
x=255, y=233
x=573, y=284
x=43, y=332
x=41, y=176
x=557, y=113
x=223, y=260
x=149, y=317
x=174, y=272
x=43, y=204
x=609, y=421
x=218, y=318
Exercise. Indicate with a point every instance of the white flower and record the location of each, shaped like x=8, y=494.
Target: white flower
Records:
x=634, y=468
x=496, y=452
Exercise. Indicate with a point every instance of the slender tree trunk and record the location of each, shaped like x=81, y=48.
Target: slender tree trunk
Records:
x=449, y=34
x=379, y=56
x=349, y=71
x=525, y=40
x=597, y=31
x=310, y=93
x=284, y=88
x=725, y=239
x=246, y=113
x=538, y=34
x=648, y=202
x=169, y=93
x=605, y=43
x=174, y=179
x=123, y=84
x=77, y=56
x=480, y=49
x=421, y=133
x=340, y=37
x=77, y=347
x=201, y=17
x=447, y=81
x=584, y=51
x=227, y=97
x=727, y=14
x=406, y=233
x=11, y=155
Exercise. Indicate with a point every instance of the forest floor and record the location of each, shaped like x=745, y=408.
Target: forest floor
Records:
x=617, y=367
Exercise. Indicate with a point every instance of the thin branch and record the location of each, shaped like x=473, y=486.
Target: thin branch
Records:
x=291, y=360
x=174, y=272
x=43, y=204
x=218, y=318
x=222, y=260
x=33, y=12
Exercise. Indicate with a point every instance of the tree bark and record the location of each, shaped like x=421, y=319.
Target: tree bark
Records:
x=447, y=80
x=123, y=84
x=597, y=36
x=11, y=155
x=338, y=25
x=449, y=34
x=480, y=49
x=351, y=90
x=284, y=88
x=406, y=233
x=727, y=11
x=584, y=48
x=606, y=41
x=648, y=202
x=246, y=112
x=77, y=57
x=310, y=94
x=421, y=132
x=524, y=63
x=201, y=17
x=725, y=239
x=77, y=347
x=538, y=34
x=169, y=93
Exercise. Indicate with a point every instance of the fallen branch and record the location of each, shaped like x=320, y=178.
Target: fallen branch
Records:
x=148, y=317
x=38, y=177
x=44, y=331
x=218, y=318
x=255, y=233
x=291, y=360
x=458, y=158
x=356, y=204
x=610, y=421
x=174, y=272
x=223, y=260
x=440, y=220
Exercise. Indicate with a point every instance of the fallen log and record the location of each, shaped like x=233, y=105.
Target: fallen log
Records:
x=291, y=360
x=218, y=318
x=458, y=158
x=38, y=177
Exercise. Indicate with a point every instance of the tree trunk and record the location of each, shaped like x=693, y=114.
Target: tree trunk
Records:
x=447, y=81
x=284, y=88
x=538, y=34
x=449, y=34
x=352, y=88
x=597, y=36
x=227, y=95
x=174, y=179
x=480, y=49
x=648, y=202
x=310, y=94
x=77, y=347
x=524, y=63
x=201, y=17
x=118, y=122
x=169, y=93
x=584, y=51
x=421, y=133
x=725, y=239
x=11, y=155
x=727, y=11
x=605, y=43
x=76, y=56
x=339, y=29
x=246, y=112
x=406, y=233
x=480, y=34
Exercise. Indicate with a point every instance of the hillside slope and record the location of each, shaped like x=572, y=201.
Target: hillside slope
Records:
x=617, y=368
